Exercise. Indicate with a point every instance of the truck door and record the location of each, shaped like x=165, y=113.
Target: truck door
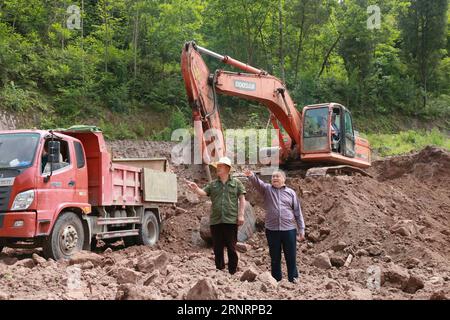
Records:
x=59, y=189
x=349, y=134
x=81, y=177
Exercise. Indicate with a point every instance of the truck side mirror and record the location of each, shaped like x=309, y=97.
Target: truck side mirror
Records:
x=54, y=148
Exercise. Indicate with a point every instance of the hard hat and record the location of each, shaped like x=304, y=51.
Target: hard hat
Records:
x=222, y=160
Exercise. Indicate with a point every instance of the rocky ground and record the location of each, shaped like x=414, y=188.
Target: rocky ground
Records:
x=380, y=237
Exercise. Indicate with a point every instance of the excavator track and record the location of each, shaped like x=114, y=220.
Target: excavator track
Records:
x=335, y=170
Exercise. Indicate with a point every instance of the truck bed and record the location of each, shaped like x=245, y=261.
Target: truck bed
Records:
x=133, y=185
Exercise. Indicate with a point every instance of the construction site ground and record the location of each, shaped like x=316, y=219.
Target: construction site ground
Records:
x=380, y=237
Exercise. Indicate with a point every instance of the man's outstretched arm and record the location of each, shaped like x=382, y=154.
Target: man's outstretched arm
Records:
x=259, y=185
x=194, y=187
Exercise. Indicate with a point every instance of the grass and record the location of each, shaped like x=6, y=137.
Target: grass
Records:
x=407, y=141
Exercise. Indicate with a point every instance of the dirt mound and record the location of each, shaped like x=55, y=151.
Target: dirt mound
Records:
x=429, y=165
x=400, y=216
x=385, y=237
x=367, y=214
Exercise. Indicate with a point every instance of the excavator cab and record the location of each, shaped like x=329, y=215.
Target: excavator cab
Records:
x=342, y=132
x=329, y=137
x=316, y=129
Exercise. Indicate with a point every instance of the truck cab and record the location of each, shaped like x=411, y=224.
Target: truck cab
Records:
x=33, y=189
x=60, y=190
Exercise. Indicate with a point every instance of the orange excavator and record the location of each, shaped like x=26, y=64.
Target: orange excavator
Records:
x=321, y=137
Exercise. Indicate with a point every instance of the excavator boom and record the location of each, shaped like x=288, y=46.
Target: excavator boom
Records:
x=255, y=84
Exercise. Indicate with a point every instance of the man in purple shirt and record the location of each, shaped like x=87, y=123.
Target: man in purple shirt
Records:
x=283, y=218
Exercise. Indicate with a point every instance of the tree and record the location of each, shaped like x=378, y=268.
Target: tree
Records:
x=306, y=18
x=127, y=55
x=423, y=26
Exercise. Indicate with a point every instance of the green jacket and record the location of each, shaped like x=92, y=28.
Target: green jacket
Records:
x=224, y=198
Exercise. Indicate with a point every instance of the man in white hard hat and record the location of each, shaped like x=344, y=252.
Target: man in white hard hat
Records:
x=228, y=203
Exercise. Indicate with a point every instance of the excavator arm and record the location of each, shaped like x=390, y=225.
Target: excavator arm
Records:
x=254, y=84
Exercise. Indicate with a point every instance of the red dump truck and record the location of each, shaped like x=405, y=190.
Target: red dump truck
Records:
x=62, y=191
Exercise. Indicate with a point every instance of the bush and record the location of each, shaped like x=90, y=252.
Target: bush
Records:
x=177, y=121
x=407, y=141
x=114, y=131
x=16, y=99
x=438, y=107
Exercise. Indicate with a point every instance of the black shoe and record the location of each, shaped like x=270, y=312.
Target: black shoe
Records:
x=295, y=281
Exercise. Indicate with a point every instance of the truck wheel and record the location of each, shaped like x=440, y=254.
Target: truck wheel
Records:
x=66, y=238
x=1, y=249
x=149, y=230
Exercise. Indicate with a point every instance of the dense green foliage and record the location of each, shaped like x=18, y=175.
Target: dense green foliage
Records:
x=126, y=59
x=407, y=141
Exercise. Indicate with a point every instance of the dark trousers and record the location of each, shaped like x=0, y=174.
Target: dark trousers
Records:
x=286, y=241
x=225, y=236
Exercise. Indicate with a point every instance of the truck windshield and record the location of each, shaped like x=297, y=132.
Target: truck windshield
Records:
x=17, y=150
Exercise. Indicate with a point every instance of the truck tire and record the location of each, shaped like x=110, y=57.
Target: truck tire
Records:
x=66, y=238
x=1, y=249
x=149, y=230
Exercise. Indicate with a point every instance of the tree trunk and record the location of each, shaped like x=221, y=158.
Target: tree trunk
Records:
x=266, y=54
x=105, y=20
x=423, y=60
x=63, y=25
x=248, y=35
x=300, y=41
x=135, y=40
x=280, y=14
x=327, y=56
